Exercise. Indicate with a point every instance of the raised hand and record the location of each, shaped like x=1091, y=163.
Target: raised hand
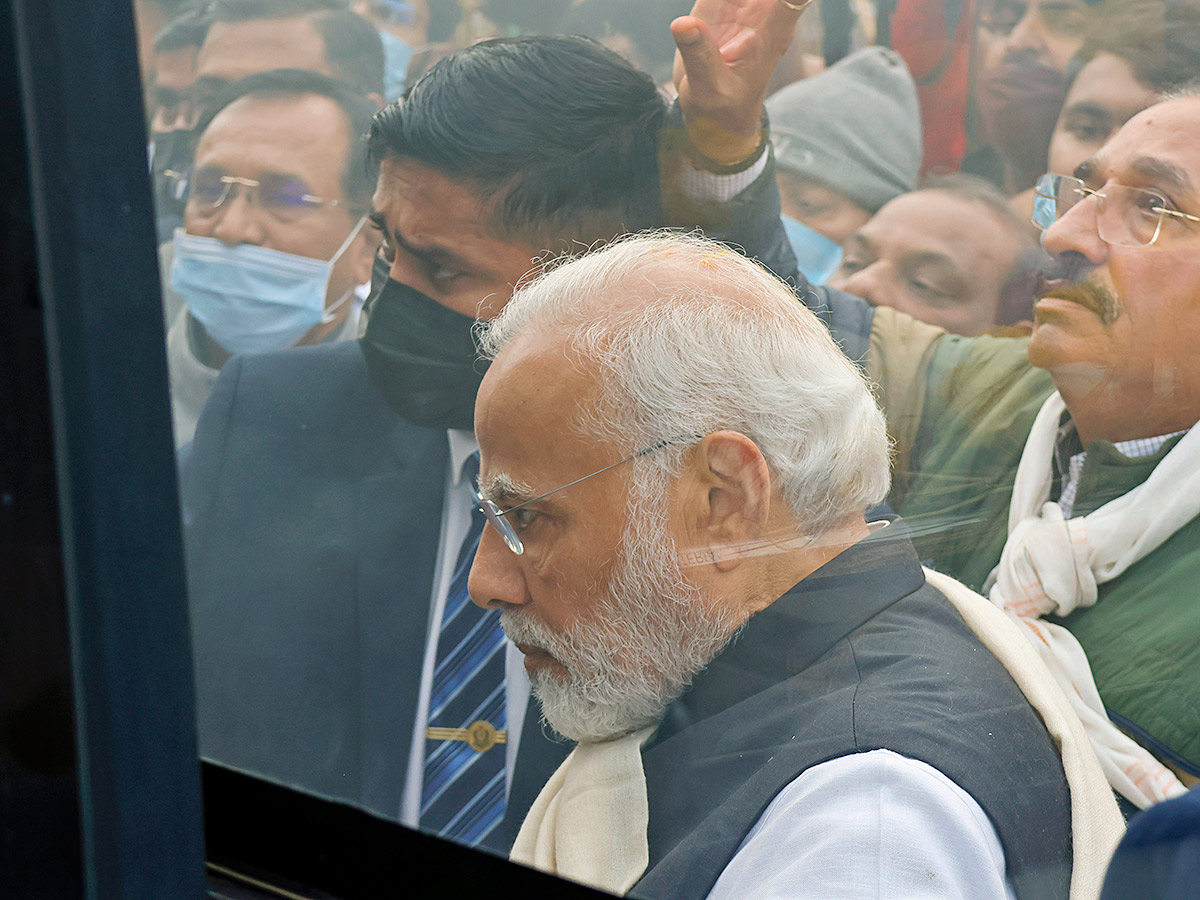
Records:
x=726, y=51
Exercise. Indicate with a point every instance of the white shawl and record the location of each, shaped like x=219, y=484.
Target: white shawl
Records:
x=1054, y=565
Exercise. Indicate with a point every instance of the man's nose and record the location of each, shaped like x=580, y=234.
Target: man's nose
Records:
x=869, y=282
x=496, y=580
x=1028, y=35
x=1074, y=239
x=238, y=221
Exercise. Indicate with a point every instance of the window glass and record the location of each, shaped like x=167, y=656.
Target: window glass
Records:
x=658, y=573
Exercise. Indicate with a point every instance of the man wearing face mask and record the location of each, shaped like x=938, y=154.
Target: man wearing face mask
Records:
x=846, y=141
x=329, y=491
x=273, y=244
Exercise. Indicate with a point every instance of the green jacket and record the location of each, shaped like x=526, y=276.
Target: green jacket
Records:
x=959, y=410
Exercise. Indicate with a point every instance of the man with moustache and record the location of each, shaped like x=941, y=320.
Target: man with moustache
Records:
x=328, y=493
x=673, y=452
x=1068, y=491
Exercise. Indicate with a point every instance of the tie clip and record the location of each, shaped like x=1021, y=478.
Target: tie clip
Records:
x=481, y=736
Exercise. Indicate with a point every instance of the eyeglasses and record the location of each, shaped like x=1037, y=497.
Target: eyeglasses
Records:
x=285, y=198
x=1125, y=215
x=499, y=518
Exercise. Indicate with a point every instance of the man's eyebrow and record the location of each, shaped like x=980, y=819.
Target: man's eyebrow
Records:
x=438, y=255
x=504, y=490
x=932, y=259
x=861, y=242
x=1165, y=174
x=1088, y=108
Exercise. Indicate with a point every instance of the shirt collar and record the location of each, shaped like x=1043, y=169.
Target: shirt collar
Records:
x=1067, y=445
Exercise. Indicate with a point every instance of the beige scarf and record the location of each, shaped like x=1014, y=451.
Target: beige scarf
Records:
x=1054, y=565
x=1096, y=823
x=589, y=821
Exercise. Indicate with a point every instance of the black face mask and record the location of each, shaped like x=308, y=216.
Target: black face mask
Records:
x=422, y=357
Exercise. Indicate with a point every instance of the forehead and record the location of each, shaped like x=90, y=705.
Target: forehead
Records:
x=233, y=50
x=932, y=221
x=527, y=406
x=175, y=69
x=1108, y=81
x=304, y=136
x=1166, y=134
x=427, y=209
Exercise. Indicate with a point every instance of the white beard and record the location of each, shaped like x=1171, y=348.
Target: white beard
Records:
x=641, y=638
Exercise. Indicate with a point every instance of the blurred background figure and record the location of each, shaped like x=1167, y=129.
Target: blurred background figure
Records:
x=172, y=112
x=409, y=28
x=935, y=39
x=1020, y=82
x=237, y=38
x=248, y=36
x=636, y=29
x=403, y=26
x=1127, y=63
x=150, y=16
x=273, y=244
x=952, y=254
x=846, y=142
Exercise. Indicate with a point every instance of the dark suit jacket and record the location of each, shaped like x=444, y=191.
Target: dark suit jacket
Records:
x=312, y=514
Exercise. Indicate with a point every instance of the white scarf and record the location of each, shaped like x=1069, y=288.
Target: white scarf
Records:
x=589, y=821
x=1052, y=565
x=1096, y=823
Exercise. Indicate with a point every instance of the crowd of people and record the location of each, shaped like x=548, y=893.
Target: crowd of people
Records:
x=699, y=450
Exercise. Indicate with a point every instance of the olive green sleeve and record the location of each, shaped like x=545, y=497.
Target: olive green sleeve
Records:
x=898, y=360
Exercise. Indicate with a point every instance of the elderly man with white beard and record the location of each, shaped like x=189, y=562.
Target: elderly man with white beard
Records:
x=768, y=697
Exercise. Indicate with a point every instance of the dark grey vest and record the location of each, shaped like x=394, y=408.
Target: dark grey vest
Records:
x=861, y=655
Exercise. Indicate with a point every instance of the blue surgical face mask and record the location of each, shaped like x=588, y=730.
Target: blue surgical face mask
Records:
x=251, y=299
x=817, y=256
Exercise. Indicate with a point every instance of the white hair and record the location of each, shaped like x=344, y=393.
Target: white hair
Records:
x=689, y=338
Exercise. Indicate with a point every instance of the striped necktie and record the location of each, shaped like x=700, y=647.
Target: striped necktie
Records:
x=463, y=792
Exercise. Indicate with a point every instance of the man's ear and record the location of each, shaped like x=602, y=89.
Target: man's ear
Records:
x=729, y=499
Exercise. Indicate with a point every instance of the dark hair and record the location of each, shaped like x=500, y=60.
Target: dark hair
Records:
x=560, y=134
x=185, y=29
x=353, y=47
x=1017, y=292
x=358, y=179
x=1159, y=40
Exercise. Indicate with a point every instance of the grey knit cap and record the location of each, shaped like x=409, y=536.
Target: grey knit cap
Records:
x=856, y=126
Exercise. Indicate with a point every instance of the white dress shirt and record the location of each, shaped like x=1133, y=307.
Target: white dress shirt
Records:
x=869, y=826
